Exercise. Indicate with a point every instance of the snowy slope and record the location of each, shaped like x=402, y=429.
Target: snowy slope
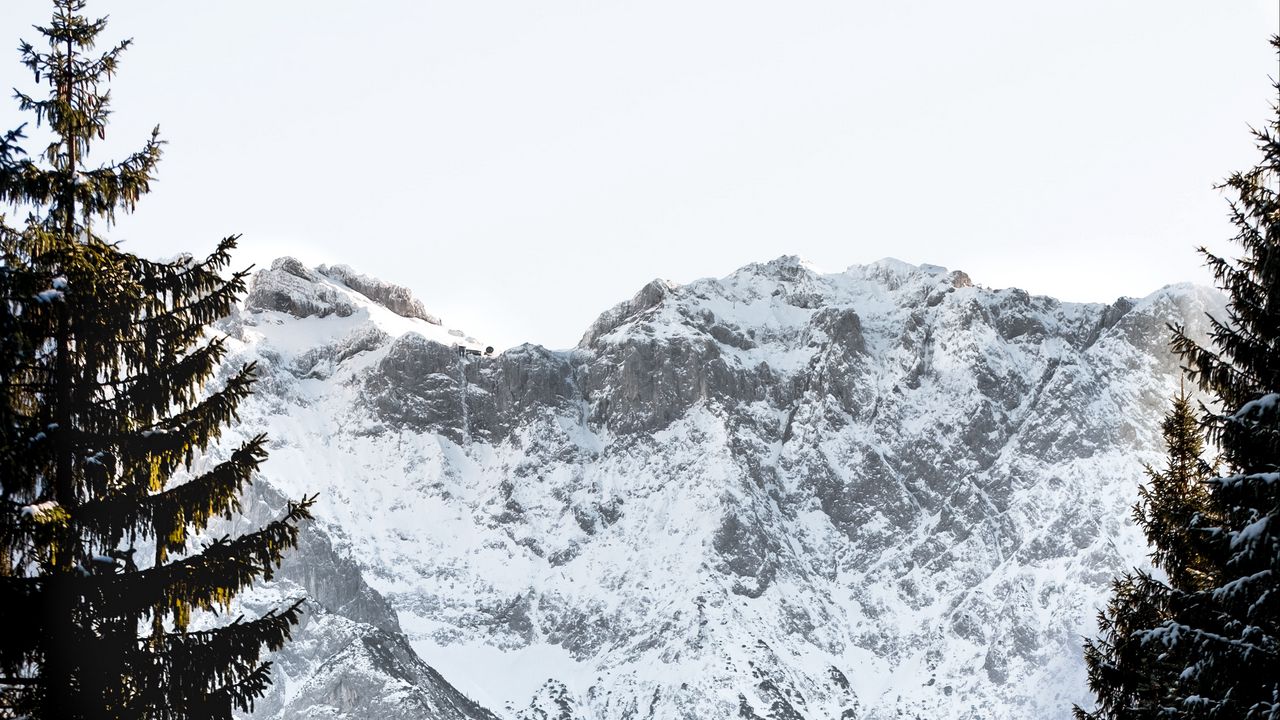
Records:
x=785, y=494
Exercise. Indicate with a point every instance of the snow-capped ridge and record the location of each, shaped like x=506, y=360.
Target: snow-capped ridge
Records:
x=1205, y=295
x=773, y=303
x=779, y=298
x=646, y=298
x=396, y=298
x=894, y=274
x=891, y=264
x=333, y=301
x=783, y=267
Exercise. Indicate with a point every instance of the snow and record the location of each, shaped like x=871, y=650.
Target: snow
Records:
x=1268, y=478
x=1239, y=584
x=522, y=670
x=35, y=511
x=291, y=336
x=1258, y=409
x=1251, y=532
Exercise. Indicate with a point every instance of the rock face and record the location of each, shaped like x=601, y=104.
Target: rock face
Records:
x=873, y=494
x=395, y=298
x=291, y=288
x=552, y=702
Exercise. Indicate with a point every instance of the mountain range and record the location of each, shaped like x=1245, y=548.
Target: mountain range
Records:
x=881, y=493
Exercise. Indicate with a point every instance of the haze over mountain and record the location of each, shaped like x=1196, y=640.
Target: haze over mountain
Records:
x=882, y=493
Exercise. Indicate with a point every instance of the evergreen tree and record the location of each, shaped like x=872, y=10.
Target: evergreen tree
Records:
x=1211, y=636
x=106, y=401
x=1174, y=503
x=1131, y=676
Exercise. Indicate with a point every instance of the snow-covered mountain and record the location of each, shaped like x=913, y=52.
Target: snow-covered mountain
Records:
x=880, y=493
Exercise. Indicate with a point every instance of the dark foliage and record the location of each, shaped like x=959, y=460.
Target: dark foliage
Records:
x=107, y=399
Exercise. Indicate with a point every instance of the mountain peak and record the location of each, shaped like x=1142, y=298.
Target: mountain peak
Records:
x=896, y=273
x=893, y=264
x=783, y=267
x=648, y=297
x=290, y=288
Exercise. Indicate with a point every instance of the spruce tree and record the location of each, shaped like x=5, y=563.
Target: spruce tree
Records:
x=107, y=398
x=1211, y=636
x=1177, y=498
x=1131, y=676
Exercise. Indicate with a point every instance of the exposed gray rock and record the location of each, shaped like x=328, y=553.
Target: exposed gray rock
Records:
x=348, y=658
x=375, y=674
x=510, y=390
x=319, y=362
x=553, y=701
x=426, y=386
x=397, y=299
x=649, y=296
x=421, y=384
x=644, y=385
x=290, y=287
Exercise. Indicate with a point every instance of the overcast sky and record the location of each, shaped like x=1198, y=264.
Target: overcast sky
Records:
x=525, y=165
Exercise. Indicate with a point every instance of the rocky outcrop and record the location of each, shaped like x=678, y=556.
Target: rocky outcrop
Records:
x=397, y=299
x=290, y=287
x=553, y=701
x=420, y=384
x=648, y=297
x=423, y=385
x=376, y=674
x=348, y=658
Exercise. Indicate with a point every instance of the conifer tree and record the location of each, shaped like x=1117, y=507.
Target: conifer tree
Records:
x=1176, y=499
x=1130, y=676
x=1212, y=634
x=107, y=397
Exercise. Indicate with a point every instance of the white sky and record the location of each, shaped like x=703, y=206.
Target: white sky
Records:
x=523, y=166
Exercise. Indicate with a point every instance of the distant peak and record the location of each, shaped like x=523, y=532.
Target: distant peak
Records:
x=649, y=296
x=793, y=261
x=292, y=287
x=903, y=267
x=896, y=271
x=783, y=267
x=788, y=261
x=294, y=267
